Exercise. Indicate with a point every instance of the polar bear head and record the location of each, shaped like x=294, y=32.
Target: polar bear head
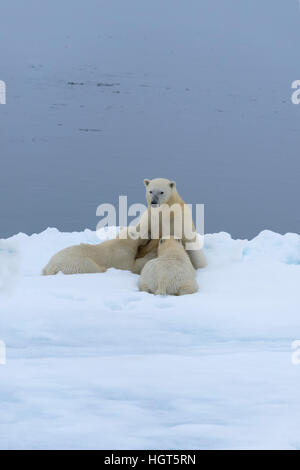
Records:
x=159, y=191
x=171, y=243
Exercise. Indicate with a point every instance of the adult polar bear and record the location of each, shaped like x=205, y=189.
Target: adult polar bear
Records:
x=175, y=220
x=122, y=252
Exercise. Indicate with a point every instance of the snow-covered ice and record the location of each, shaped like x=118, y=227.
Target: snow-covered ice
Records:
x=93, y=363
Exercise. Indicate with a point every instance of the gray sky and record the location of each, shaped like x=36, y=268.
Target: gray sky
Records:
x=200, y=92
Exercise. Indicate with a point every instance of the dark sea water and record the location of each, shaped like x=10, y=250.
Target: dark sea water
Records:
x=102, y=94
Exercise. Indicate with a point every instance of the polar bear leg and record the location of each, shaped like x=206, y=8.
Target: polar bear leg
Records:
x=188, y=288
x=143, y=287
x=140, y=262
x=197, y=258
x=78, y=265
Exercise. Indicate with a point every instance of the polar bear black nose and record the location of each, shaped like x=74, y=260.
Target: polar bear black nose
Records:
x=154, y=200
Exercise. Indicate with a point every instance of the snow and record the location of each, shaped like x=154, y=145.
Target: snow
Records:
x=92, y=363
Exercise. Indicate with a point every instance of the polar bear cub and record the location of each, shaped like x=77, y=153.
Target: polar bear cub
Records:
x=171, y=272
x=119, y=253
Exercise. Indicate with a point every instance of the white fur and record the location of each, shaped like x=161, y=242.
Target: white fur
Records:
x=118, y=253
x=164, y=192
x=171, y=273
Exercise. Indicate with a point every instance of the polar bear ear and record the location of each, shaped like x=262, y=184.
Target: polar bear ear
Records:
x=146, y=182
x=172, y=184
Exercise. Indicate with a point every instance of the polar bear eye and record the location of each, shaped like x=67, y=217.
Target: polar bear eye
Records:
x=150, y=192
x=161, y=192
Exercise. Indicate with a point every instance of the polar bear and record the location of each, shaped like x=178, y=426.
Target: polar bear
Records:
x=119, y=253
x=162, y=196
x=171, y=272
